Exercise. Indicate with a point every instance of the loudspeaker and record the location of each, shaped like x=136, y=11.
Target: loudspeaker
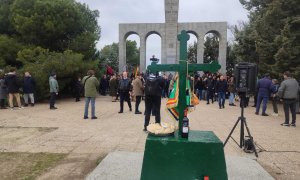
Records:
x=245, y=77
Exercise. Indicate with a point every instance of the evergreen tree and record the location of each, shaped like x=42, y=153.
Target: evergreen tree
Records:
x=109, y=55
x=231, y=59
x=192, y=53
x=272, y=36
x=132, y=54
x=211, y=48
x=40, y=36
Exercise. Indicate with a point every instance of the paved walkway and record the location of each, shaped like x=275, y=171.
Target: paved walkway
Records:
x=39, y=129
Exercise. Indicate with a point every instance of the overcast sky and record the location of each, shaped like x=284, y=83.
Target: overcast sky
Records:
x=113, y=12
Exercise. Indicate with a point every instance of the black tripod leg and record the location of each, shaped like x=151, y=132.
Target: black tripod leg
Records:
x=251, y=139
x=231, y=131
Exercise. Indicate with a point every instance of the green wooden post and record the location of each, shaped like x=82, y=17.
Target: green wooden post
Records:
x=183, y=68
x=183, y=38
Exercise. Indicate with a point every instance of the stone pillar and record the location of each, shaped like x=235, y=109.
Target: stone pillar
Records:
x=222, y=52
x=122, y=52
x=142, y=53
x=200, y=49
x=171, y=30
x=163, y=50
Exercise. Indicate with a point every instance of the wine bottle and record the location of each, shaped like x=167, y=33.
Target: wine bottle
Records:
x=185, y=127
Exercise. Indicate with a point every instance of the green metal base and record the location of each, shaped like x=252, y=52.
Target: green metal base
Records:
x=184, y=159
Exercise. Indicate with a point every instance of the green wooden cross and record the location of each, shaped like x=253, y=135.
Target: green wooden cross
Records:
x=183, y=68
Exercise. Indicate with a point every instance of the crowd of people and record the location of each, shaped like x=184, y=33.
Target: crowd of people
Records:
x=207, y=87
x=10, y=86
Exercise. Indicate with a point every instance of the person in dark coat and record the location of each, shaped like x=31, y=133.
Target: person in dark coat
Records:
x=210, y=86
x=113, y=87
x=275, y=98
x=221, y=88
x=124, y=89
x=78, y=89
x=165, y=91
x=167, y=87
x=118, y=90
x=13, y=85
x=3, y=92
x=153, y=92
x=28, y=89
x=199, y=87
x=264, y=87
x=103, y=85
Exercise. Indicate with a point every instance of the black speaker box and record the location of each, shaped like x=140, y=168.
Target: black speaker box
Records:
x=245, y=77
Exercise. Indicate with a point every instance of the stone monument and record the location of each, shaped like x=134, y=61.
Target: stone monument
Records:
x=168, y=32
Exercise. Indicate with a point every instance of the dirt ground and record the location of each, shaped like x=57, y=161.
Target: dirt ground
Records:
x=85, y=142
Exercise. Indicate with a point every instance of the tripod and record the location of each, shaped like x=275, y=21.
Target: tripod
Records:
x=243, y=124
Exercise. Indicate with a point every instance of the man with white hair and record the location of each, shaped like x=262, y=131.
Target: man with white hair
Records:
x=124, y=88
x=28, y=89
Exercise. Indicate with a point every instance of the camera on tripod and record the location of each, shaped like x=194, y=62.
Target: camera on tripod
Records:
x=245, y=77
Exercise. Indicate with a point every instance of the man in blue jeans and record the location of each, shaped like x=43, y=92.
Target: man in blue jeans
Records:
x=90, y=84
x=221, y=88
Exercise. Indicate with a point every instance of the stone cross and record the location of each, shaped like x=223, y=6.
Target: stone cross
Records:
x=183, y=69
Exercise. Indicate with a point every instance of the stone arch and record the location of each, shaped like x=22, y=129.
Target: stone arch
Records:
x=127, y=34
x=153, y=32
x=218, y=34
x=149, y=55
x=125, y=37
x=194, y=33
x=214, y=32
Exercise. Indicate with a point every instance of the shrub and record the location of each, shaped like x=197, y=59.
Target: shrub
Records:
x=67, y=65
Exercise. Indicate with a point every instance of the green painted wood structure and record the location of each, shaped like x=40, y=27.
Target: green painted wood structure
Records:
x=183, y=68
x=175, y=158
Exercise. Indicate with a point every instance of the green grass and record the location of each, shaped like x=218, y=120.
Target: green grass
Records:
x=26, y=166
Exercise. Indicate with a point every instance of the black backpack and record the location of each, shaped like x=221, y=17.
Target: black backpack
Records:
x=153, y=86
